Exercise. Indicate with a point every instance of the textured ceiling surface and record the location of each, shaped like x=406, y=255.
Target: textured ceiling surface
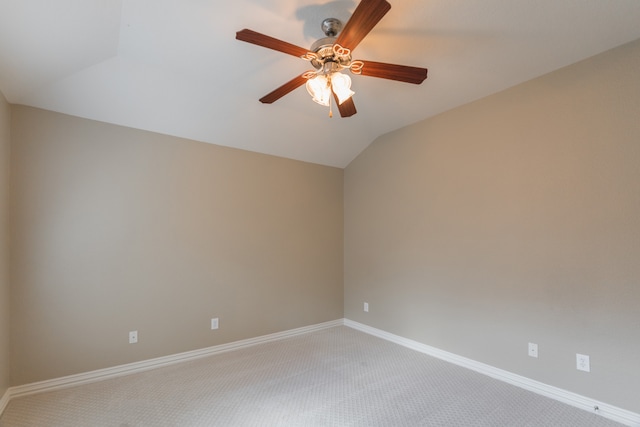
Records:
x=174, y=66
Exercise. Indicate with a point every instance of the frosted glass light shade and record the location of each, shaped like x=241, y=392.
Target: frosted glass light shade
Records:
x=341, y=85
x=318, y=88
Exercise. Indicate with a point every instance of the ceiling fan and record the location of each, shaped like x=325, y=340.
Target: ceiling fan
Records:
x=332, y=54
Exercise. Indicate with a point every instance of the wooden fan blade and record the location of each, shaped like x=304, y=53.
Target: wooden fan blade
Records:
x=284, y=89
x=367, y=14
x=347, y=108
x=251, y=36
x=401, y=73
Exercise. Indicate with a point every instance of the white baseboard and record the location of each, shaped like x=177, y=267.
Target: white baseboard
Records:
x=608, y=411
x=4, y=401
x=145, y=365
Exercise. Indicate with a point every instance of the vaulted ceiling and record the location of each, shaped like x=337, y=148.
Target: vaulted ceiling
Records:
x=174, y=66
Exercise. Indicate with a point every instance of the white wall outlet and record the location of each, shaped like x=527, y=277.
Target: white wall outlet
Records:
x=533, y=349
x=214, y=323
x=582, y=363
x=366, y=307
x=133, y=337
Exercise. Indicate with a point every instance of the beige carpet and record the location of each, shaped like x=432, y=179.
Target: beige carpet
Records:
x=334, y=377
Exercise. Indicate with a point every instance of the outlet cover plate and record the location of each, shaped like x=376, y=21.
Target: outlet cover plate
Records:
x=582, y=362
x=133, y=337
x=214, y=323
x=533, y=349
x=366, y=307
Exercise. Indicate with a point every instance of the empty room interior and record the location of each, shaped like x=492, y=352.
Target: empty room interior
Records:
x=153, y=211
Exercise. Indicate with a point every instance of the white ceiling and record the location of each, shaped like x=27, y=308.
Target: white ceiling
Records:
x=174, y=66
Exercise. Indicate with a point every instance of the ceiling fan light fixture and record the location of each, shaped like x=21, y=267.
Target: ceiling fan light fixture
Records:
x=319, y=89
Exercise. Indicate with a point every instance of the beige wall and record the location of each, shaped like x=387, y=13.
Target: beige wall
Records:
x=510, y=220
x=5, y=121
x=117, y=229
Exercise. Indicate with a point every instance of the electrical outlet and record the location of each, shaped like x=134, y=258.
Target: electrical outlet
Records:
x=533, y=349
x=582, y=363
x=133, y=337
x=214, y=323
x=366, y=307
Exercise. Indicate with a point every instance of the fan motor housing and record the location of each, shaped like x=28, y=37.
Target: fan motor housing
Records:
x=327, y=57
